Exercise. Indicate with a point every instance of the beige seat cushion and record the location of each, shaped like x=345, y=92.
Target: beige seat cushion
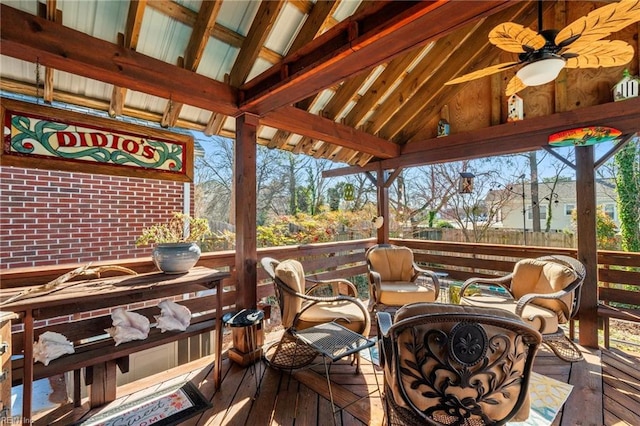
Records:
x=544, y=277
x=392, y=263
x=531, y=313
x=343, y=312
x=398, y=293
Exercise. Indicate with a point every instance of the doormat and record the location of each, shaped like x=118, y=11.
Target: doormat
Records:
x=547, y=395
x=164, y=407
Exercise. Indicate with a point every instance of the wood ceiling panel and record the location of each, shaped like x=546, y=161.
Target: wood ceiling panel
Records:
x=356, y=45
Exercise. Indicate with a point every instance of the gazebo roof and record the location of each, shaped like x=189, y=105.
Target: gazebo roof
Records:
x=349, y=81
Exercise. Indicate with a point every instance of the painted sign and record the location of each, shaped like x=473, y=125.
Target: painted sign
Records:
x=44, y=137
x=584, y=136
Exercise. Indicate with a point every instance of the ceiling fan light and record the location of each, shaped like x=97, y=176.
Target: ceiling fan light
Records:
x=541, y=72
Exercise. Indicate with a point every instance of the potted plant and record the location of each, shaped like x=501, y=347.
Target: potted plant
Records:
x=175, y=242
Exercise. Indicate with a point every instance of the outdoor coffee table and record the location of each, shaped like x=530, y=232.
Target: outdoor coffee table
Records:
x=334, y=342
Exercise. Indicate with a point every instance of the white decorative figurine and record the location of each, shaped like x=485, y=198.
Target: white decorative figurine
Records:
x=173, y=316
x=128, y=326
x=515, y=108
x=51, y=345
x=628, y=87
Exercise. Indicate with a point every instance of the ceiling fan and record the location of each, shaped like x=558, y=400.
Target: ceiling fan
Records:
x=544, y=54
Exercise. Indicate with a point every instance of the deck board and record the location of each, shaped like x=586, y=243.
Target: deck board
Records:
x=302, y=398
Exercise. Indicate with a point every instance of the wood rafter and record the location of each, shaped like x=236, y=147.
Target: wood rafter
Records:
x=188, y=17
x=392, y=72
x=509, y=138
x=49, y=11
x=353, y=46
x=418, y=77
x=401, y=124
x=253, y=42
x=317, y=18
x=441, y=94
x=301, y=122
x=129, y=40
x=197, y=43
x=28, y=37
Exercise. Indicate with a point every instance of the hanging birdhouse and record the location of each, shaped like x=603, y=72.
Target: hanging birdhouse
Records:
x=466, y=183
x=349, y=192
x=443, y=128
x=515, y=108
x=628, y=87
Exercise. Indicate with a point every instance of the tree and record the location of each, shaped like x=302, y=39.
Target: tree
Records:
x=628, y=186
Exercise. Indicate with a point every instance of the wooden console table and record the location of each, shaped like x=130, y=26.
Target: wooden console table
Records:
x=100, y=358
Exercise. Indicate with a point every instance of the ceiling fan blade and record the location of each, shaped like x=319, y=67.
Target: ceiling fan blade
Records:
x=602, y=53
x=515, y=85
x=512, y=37
x=482, y=73
x=601, y=22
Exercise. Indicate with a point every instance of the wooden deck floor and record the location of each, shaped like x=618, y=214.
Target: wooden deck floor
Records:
x=606, y=391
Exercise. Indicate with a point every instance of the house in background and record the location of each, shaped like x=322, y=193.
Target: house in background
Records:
x=563, y=201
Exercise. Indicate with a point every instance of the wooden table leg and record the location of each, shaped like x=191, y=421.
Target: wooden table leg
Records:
x=217, y=368
x=103, y=384
x=27, y=378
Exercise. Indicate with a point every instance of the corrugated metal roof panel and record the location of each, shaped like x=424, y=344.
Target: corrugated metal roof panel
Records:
x=217, y=59
x=103, y=20
x=195, y=114
x=162, y=37
x=17, y=69
x=81, y=85
x=146, y=102
x=287, y=25
x=237, y=15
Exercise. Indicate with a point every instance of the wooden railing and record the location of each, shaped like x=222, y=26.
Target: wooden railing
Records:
x=618, y=271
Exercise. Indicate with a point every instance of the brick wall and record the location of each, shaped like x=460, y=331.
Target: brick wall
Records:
x=52, y=217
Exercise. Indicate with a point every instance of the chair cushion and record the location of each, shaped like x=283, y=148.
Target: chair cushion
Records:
x=531, y=313
x=392, y=263
x=398, y=293
x=544, y=277
x=344, y=312
x=291, y=273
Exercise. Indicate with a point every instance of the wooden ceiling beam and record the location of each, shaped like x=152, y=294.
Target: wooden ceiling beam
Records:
x=188, y=17
x=193, y=54
x=295, y=120
x=437, y=57
x=475, y=52
x=385, y=81
x=318, y=15
x=130, y=40
x=30, y=38
x=517, y=136
x=356, y=45
x=48, y=11
x=258, y=32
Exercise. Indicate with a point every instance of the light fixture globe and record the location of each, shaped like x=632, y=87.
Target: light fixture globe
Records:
x=541, y=71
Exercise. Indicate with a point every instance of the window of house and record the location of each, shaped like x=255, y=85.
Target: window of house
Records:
x=543, y=212
x=569, y=208
x=610, y=210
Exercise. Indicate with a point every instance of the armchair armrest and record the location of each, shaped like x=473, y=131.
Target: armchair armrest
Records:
x=430, y=274
x=503, y=282
x=317, y=299
x=384, y=325
x=334, y=285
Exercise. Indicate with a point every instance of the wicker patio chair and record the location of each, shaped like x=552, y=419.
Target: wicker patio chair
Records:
x=395, y=279
x=455, y=365
x=545, y=292
x=301, y=307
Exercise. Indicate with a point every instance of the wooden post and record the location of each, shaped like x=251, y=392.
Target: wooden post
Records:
x=245, y=196
x=587, y=248
x=383, y=207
